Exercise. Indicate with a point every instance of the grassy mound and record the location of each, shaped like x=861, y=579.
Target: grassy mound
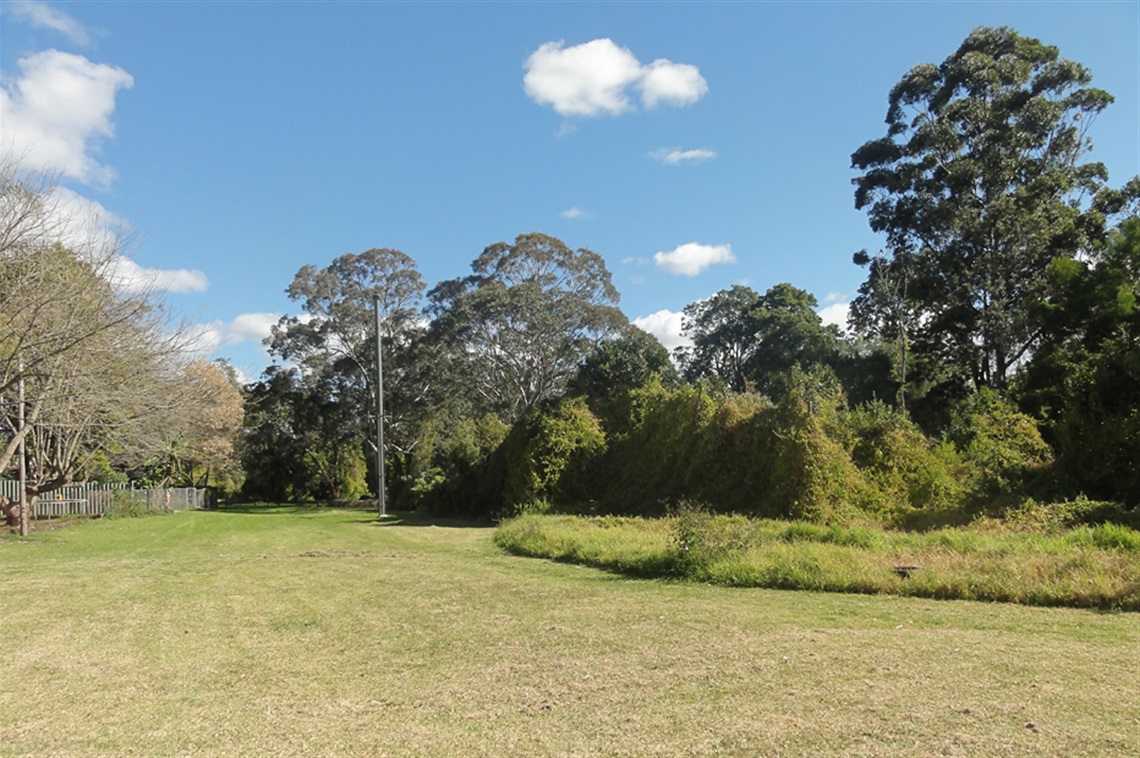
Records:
x=1092, y=567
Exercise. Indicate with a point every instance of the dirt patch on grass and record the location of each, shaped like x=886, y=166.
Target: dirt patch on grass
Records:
x=50, y=525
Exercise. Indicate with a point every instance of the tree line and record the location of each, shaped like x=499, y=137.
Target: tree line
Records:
x=992, y=356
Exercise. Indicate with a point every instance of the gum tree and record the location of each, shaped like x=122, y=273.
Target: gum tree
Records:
x=979, y=183
x=524, y=320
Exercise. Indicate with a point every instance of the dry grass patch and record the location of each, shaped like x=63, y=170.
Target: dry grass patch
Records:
x=297, y=632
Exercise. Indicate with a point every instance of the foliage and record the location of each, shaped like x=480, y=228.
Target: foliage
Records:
x=200, y=451
x=978, y=185
x=334, y=350
x=520, y=324
x=748, y=340
x=807, y=456
x=126, y=504
x=628, y=361
x=297, y=446
x=549, y=453
x=1004, y=445
x=1084, y=380
x=465, y=473
x=907, y=471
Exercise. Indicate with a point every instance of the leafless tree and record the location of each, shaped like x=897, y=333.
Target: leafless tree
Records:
x=86, y=365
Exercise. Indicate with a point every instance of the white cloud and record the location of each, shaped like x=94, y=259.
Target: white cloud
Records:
x=836, y=313
x=57, y=110
x=664, y=81
x=205, y=339
x=595, y=78
x=252, y=327
x=665, y=325
x=131, y=277
x=97, y=235
x=676, y=156
x=43, y=16
x=202, y=340
x=574, y=212
x=692, y=258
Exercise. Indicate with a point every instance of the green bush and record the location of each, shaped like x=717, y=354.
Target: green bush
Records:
x=465, y=475
x=126, y=504
x=902, y=464
x=549, y=455
x=1003, y=444
x=650, y=455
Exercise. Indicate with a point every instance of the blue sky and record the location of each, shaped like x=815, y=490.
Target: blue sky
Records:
x=694, y=146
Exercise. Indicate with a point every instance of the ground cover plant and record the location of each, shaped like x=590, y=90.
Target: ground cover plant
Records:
x=280, y=630
x=1095, y=567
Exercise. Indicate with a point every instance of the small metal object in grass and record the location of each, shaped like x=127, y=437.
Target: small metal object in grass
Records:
x=905, y=572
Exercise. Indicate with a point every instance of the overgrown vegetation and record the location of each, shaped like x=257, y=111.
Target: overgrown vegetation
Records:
x=1087, y=566
x=126, y=504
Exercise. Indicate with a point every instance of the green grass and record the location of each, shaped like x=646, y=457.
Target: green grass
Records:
x=1094, y=567
x=293, y=631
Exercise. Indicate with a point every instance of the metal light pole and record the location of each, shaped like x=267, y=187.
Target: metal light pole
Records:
x=25, y=517
x=382, y=510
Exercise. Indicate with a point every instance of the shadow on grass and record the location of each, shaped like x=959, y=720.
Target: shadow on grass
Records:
x=361, y=514
x=412, y=518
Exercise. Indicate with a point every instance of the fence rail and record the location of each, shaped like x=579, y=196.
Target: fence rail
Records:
x=87, y=499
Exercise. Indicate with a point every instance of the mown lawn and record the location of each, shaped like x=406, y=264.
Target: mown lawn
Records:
x=291, y=631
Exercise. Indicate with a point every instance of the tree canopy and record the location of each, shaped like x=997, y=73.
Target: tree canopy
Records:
x=528, y=314
x=750, y=340
x=978, y=185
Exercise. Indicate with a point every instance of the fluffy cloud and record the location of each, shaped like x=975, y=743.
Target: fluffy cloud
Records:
x=55, y=112
x=131, y=277
x=43, y=16
x=836, y=313
x=693, y=258
x=676, y=156
x=204, y=339
x=574, y=212
x=679, y=84
x=596, y=78
x=665, y=325
x=86, y=227
x=251, y=327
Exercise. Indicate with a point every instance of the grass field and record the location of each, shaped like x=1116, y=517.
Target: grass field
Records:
x=288, y=631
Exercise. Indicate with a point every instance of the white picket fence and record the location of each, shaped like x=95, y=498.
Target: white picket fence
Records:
x=85, y=499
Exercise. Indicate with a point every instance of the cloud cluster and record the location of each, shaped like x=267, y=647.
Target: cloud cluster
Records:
x=836, y=311
x=247, y=327
x=692, y=258
x=129, y=276
x=665, y=325
x=677, y=156
x=57, y=109
x=596, y=78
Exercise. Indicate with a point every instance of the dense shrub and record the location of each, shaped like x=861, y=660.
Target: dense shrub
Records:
x=465, y=476
x=1004, y=444
x=650, y=448
x=904, y=467
x=126, y=504
x=549, y=454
